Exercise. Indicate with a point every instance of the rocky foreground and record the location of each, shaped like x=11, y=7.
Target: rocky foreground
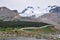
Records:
x=35, y=34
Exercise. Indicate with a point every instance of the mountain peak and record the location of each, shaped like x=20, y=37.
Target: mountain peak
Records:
x=56, y=9
x=7, y=14
x=2, y=8
x=30, y=7
x=29, y=11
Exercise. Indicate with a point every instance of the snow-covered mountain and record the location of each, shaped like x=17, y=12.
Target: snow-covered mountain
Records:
x=37, y=11
x=53, y=17
x=50, y=15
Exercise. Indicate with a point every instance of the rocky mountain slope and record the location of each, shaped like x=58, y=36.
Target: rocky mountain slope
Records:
x=7, y=14
x=53, y=17
x=10, y=15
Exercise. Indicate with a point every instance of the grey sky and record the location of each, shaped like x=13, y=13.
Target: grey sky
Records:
x=21, y=4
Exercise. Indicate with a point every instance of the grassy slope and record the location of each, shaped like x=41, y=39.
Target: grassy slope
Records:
x=10, y=32
x=43, y=30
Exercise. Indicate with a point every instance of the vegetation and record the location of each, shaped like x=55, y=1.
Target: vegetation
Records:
x=20, y=24
x=43, y=30
x=12, y=29
x=13, y=32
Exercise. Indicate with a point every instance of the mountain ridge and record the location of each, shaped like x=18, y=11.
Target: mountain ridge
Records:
x=53, y=17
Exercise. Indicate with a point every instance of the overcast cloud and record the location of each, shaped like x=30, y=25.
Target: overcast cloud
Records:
x=21, y=4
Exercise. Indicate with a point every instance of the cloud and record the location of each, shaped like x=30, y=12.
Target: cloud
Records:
x=21, y=4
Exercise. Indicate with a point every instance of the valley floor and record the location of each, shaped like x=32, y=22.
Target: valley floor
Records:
x=45, y=32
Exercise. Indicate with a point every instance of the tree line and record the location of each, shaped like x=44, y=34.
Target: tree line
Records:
x=21, y=24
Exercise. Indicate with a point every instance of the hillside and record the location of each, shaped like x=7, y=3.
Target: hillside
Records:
x=53, y=17
x=7, y=14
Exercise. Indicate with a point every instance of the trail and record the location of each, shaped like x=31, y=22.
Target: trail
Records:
x=35, y=27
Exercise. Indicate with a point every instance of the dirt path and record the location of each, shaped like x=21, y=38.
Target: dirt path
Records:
x=36, y=27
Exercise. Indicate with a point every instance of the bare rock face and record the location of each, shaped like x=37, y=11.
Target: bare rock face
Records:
x=10, y=15
x=7, y=14
x=52, y=18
